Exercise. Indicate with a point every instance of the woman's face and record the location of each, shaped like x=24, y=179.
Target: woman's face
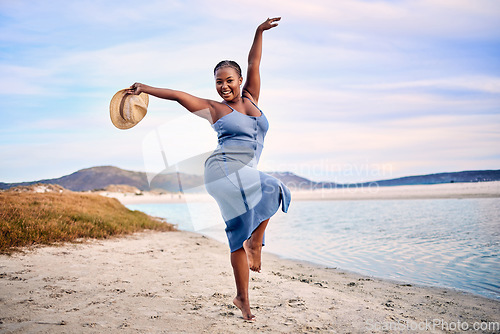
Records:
x=227, y=83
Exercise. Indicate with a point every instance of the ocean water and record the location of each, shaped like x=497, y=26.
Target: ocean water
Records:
x=452, y=243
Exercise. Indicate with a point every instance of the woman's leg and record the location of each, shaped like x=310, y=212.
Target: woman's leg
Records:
x=253, y=246
x=241, y=276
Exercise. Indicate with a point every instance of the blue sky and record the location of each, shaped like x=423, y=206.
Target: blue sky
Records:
x=353, y=90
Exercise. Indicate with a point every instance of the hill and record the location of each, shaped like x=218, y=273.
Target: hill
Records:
x=297, y=182
x=97, y=178
x=458, y=177
x=91, y=178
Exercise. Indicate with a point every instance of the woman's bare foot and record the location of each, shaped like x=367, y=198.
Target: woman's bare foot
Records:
x=253, y=255
x=244, y=307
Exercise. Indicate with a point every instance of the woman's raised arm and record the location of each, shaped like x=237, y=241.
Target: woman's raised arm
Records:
x=252, y=84
x=190, y=102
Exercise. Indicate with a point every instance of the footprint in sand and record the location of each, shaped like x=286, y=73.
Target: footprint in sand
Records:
x=227, y=314
x=296, y=302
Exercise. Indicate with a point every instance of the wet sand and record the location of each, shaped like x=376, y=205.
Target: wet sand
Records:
x=181, y=282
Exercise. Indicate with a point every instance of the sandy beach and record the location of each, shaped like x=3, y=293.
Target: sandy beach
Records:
x=446, y=190
x=181, y=282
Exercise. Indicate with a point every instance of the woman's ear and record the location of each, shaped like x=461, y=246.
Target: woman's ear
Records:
x=241, y=80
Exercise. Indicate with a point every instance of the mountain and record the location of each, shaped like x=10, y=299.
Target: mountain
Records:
x=297, y=182
x=458, y=177
x=92, y=178
x=100, y=177
x=95, y=178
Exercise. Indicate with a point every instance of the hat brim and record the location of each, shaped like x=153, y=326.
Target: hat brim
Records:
x=127, y=110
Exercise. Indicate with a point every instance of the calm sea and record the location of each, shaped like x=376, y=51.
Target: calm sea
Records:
x=451, y=243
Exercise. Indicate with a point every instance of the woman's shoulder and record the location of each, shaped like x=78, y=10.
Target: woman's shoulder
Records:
x=218, y=110
x=248, y=96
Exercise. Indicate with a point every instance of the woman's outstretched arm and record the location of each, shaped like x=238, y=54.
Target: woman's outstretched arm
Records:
x=252, y=84
x=192, y=103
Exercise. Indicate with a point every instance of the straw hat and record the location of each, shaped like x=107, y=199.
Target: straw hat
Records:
x=126, y=110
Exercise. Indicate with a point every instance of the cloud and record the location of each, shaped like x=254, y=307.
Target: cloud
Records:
x=363, y=82
x=380, y=101
x=484, y=84
x=23, y=80
x=438, y=18
x=431, y=143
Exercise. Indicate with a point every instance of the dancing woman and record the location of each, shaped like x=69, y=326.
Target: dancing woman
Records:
x=246, y=197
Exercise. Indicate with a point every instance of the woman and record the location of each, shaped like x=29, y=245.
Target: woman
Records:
x=247, y=197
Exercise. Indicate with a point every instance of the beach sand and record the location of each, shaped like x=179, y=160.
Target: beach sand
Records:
x=445, y=190
x=182, y=282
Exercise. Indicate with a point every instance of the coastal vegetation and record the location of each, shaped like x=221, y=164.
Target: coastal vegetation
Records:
x=28, y=218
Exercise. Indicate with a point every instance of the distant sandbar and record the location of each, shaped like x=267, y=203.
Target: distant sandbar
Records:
x=373, y=192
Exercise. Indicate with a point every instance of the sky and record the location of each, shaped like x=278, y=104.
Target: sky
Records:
x=353, y=90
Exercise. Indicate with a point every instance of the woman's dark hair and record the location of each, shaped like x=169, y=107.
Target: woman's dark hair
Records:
x=228, y=63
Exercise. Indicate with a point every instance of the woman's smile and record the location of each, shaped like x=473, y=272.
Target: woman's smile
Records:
x=228, y=82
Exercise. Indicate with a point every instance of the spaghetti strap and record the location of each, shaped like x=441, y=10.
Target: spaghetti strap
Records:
x=253, y=104
x=228, y=105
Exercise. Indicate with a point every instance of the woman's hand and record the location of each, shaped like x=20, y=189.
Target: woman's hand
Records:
x=136, y=89
x=269, y=23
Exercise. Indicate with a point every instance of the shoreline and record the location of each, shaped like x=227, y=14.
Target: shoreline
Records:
x=433, y=191
x=414, y=192
x=182, y=282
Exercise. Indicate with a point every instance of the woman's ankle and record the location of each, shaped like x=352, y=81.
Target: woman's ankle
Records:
x=254, y=242
x=242, y=298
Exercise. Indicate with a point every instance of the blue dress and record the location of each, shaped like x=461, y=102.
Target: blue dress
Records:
x=246, y=196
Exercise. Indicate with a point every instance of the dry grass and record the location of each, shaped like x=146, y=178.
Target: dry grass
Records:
x=45, y=218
